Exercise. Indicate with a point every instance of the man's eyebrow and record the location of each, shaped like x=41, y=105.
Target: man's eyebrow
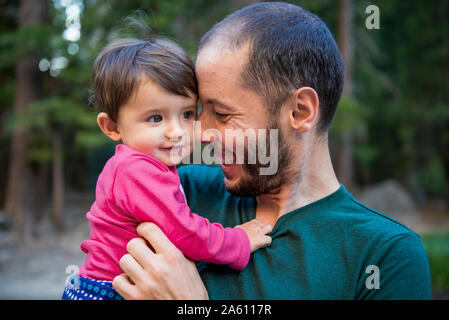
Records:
x=218, y=103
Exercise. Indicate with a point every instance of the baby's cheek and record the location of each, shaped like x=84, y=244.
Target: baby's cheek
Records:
x=187, y=136
x=145, y=144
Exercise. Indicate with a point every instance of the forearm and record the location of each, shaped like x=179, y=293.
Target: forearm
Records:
x=201, y=240
x=161, y=275
x=194, y=235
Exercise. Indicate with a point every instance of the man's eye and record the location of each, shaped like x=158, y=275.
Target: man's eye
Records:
x=155, y=118
x=221, y=115
x=187, y=115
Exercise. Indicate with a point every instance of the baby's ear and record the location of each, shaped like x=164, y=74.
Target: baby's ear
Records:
x=108, y=126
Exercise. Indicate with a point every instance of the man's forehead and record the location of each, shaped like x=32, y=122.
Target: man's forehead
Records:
x=217, y=54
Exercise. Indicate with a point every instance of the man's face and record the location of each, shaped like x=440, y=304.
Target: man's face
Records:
x=227, y=105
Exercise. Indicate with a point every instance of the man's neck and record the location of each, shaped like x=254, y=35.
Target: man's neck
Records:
x=317, y=181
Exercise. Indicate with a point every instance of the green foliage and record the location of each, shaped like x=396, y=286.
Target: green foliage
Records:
x=399, y=112
x=89, y=141
x=431, y=176
x=437, y=248
x=401, y=125
x=349, y=116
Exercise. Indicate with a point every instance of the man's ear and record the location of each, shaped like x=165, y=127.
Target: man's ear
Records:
x=108, y=126
x=304, y=109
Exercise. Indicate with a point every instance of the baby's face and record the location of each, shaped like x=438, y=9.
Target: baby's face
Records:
x=158, y=123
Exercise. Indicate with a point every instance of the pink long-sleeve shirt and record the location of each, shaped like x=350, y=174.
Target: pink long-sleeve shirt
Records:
x=135, y=187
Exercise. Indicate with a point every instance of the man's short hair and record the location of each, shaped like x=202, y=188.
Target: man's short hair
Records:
x=119, y=68
x=289, y=48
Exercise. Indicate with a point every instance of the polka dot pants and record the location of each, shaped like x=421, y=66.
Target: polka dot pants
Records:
x=81, y=288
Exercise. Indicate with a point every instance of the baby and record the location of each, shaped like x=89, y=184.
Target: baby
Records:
x=147, y=95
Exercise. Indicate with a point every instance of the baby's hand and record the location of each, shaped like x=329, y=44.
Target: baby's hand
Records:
x=256, y=231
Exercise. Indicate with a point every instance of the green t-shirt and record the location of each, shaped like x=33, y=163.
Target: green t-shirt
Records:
x=329, y=249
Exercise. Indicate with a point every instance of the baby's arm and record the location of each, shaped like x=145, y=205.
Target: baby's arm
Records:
x=149, y=192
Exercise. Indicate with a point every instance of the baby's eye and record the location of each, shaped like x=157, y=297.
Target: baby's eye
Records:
x=187, y=115
x=155, y=118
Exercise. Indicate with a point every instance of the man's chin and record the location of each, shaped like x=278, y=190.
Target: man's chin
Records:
x=231, y=171
x=241, y=188
x=234, y=174
x=243, y=184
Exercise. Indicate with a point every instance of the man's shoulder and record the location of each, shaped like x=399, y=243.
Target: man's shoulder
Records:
x=398, y=253
x=364, y=219
x=202, y=182
x=199, y=167
x=383, y=242
x=200, y=173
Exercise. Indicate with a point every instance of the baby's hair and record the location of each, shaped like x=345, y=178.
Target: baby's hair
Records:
x=124, y=63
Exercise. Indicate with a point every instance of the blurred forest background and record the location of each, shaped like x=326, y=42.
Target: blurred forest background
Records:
x=389, y=140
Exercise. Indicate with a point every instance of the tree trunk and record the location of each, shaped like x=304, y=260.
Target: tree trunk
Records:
x=58, y=181
x=42, y=191
x=344, y=163
x=27, y=89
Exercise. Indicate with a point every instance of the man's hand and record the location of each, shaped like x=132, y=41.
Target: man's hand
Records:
x=162, y=274
x=256, y=231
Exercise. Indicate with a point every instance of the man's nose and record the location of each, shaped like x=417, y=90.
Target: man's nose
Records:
x=205, y=121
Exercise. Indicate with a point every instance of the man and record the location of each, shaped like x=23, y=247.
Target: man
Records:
x=277, y=66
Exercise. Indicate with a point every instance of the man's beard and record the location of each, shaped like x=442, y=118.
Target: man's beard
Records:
x=253, y=183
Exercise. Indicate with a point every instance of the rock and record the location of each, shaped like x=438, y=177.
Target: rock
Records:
x=392, y=199
x=439, y=205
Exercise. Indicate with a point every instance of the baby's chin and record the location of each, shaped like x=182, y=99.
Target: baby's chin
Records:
x=172, y=158
x=169, y=163
x=169, y=157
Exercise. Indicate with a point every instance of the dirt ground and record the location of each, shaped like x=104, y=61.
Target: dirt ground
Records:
x=39, y=270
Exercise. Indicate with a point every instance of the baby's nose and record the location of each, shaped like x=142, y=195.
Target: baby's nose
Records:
x=175, y=133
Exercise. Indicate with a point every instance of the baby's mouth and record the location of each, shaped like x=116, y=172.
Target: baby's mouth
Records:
x=173, y=147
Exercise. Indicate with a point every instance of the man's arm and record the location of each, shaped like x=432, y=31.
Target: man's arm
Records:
x=403, y=271
x=137, y=191
x=162, y=274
